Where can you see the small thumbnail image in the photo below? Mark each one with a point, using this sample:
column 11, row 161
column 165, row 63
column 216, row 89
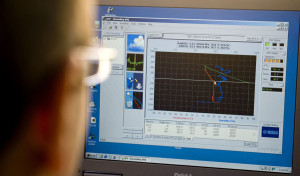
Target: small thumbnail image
column 129, row 81
column 135, row 43
column 138, row 81
column 128, row 100
column 134, row 100
column 134, row 81
column 135, row 62
column 137, row 100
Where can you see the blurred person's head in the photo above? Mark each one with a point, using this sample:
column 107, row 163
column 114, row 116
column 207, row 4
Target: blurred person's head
column 42, row 96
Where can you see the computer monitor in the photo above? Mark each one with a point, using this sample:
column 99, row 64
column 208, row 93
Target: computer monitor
column 195, row 91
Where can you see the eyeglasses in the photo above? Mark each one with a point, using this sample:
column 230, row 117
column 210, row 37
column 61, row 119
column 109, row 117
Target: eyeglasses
column 97, row 62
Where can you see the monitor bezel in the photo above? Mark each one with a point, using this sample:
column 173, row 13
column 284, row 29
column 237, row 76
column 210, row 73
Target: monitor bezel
column 135, row 168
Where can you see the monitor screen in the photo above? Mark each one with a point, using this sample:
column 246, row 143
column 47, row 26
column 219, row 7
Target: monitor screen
column 196, row 87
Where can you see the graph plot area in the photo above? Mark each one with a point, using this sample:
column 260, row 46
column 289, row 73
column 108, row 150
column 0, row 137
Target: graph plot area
column 205, row 83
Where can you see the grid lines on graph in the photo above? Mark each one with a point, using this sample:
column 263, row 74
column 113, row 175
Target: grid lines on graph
column 204, row 83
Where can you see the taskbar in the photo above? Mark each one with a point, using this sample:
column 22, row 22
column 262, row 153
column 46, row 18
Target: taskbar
column 264, row 168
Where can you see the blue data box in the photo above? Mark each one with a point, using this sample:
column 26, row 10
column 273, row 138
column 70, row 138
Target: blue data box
column 271, row 132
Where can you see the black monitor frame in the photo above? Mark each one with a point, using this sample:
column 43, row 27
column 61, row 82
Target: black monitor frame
column 145, row 169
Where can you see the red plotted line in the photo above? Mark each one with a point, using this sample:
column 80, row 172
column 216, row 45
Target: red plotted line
column 137, row 104
column 213, row 99
column 214, row 83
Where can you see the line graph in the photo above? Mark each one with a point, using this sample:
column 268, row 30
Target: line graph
column 135, row 62
column 138, row 100
column 206, row 83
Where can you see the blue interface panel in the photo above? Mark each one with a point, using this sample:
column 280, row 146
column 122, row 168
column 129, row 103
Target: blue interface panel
column 196, row 87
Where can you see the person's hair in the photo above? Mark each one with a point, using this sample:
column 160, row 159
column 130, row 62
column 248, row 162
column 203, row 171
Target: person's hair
column 34, row 37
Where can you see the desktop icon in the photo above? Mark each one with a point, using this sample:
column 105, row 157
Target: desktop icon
column 110, row 9
column 91, row 136
column 97, row 24
column 91, row 104
column 93, row 120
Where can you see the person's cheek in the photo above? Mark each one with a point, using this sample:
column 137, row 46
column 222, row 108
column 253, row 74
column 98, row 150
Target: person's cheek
column 73, row 118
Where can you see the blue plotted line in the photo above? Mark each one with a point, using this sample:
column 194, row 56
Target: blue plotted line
column 139, row 102
column 224, row 72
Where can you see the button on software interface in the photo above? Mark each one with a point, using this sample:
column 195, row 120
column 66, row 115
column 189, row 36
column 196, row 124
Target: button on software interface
column 200, row 90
